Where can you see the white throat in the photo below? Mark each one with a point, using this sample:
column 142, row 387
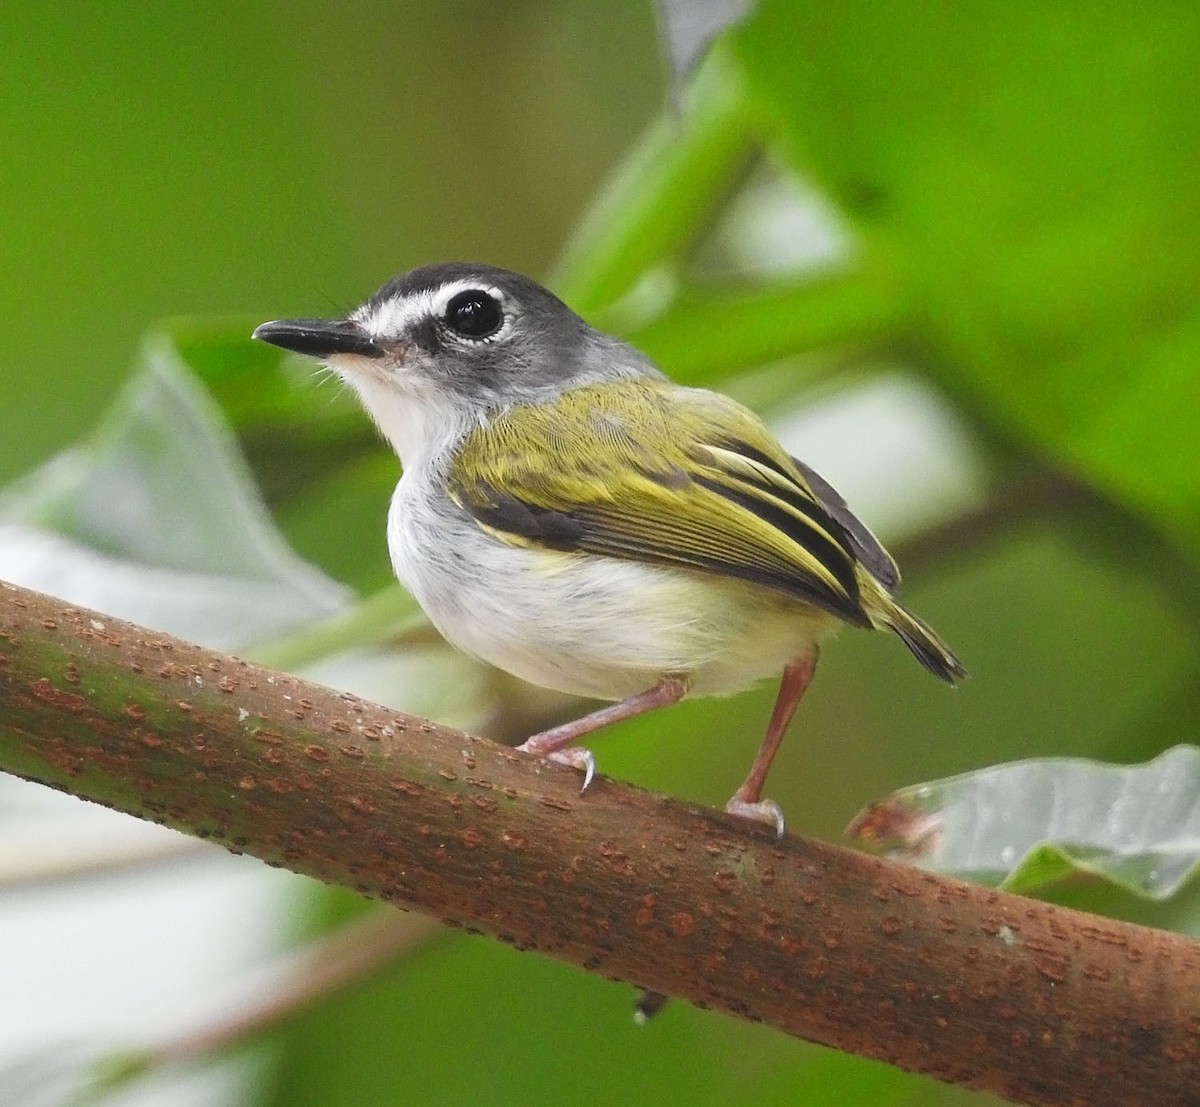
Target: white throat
column 417, row 422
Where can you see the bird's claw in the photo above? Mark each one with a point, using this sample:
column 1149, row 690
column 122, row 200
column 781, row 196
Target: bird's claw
column 576, row 757
column 762, row 811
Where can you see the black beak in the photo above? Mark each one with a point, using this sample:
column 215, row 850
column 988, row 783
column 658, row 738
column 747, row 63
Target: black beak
column 319, row 337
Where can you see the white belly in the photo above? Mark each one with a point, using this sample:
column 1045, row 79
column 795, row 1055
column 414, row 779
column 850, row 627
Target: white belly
column 585, row 625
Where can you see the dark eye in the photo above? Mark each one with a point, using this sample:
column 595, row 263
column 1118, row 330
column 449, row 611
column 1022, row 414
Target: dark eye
column 474, row 314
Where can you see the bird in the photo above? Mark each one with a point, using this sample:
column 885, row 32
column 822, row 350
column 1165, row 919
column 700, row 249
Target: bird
column 570, row 515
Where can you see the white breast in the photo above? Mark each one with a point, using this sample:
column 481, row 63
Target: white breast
column 582, row 624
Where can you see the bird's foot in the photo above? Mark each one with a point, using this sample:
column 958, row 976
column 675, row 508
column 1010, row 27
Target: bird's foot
column 575, row 757
column 761, row 811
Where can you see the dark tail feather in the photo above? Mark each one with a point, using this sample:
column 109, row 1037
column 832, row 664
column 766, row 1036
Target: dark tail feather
column 925, row 645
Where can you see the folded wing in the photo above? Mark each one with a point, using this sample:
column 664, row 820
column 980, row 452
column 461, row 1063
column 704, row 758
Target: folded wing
column 667, row 476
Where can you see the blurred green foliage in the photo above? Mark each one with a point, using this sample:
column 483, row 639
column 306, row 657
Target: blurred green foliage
column 1029, row 171
column 273, row 158
column 1020, row 182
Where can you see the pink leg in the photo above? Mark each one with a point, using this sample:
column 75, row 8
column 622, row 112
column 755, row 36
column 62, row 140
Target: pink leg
column 550, row 743
column 747, row 800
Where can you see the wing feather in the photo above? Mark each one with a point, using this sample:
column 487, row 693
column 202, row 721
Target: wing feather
column 877, row 561
column 663, row 475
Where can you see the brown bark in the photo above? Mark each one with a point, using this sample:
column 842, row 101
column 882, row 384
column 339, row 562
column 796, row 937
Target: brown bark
column 973, row 986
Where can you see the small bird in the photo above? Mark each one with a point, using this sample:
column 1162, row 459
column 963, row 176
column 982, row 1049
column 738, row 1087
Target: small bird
column 571, row 516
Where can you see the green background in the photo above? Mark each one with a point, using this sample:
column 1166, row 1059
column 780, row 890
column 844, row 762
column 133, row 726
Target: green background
column 273, row 159
column 1019, row 183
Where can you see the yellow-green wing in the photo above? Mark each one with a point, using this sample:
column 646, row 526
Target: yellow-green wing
column 651, row 472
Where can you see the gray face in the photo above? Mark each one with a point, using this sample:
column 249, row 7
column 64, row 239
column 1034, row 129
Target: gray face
column 435, row 351
column 487, row 336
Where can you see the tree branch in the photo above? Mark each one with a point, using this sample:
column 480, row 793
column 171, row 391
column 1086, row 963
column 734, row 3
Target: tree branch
column 973, row 986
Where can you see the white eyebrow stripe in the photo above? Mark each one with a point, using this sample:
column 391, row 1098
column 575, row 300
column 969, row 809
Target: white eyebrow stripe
column 397, row 314
column 447, row 292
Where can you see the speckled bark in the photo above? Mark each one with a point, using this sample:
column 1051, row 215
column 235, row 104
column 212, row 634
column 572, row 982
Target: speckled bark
column 988, row 990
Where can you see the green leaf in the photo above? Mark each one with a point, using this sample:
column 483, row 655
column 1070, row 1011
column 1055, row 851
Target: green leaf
column 294, row 430
column 703, row 334
column 657, row 202
column 1032, row 168
column 1023, row 825
column 156, row 519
